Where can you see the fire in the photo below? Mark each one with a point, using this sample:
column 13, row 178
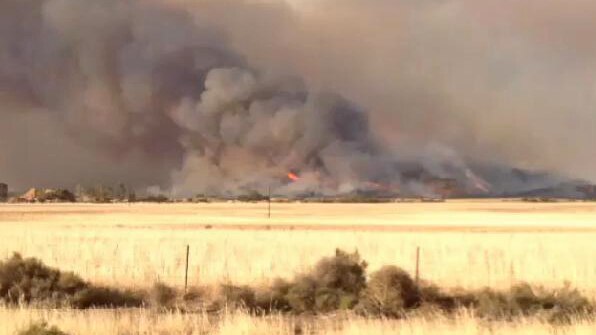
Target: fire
column 293, row 177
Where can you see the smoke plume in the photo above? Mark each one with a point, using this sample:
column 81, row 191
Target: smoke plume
column 230, row 96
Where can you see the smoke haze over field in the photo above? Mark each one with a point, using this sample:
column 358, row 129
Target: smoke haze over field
column 208, row 96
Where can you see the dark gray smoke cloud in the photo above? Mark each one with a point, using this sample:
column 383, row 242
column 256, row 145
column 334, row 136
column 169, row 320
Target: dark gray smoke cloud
column 145, row 84
column 86, row 86
column 504, row 81
column 194, row 97
column 247, row 131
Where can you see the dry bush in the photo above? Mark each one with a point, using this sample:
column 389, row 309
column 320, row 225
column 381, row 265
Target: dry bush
column 558, row 305
column 98, row 296
column 162, row 296
column 335, row 283
column 390, row 292
column 41, row 328
column 522, row 300
column 29, row 281
column 273, row 298
column 236, row 297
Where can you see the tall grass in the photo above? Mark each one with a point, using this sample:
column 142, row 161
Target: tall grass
column 470, row 245
column 121, row 245
column 149, row 322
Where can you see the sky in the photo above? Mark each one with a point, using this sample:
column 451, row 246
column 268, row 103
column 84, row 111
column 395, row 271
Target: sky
column 121, row 91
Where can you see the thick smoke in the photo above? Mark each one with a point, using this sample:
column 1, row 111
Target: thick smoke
column 247, row 132
column 126, row 78
column 509, row 82
column 92, row 82
column 194, row 97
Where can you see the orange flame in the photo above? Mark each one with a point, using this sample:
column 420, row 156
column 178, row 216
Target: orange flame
column 293, row 177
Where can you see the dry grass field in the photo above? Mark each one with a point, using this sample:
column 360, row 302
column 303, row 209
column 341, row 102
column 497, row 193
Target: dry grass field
column 467, row 244
column 104, row 322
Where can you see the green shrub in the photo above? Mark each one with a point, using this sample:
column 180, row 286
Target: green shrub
column 389, row 293
column 41, row 328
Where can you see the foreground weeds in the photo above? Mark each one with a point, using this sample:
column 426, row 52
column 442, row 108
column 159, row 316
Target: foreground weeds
column 41, row 328
column 336, row 284
column 152, row 322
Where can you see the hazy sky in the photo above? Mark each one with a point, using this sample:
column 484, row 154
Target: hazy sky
column 90, row 90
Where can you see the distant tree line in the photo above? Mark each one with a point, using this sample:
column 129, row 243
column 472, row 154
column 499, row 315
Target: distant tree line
column 105, row 194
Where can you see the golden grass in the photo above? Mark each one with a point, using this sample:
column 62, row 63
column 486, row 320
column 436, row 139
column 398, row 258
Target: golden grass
column 147, row 322
column 464, row 243
column 469, row 244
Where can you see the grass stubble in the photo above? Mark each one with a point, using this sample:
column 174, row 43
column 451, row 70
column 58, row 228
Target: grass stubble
column 136, row 246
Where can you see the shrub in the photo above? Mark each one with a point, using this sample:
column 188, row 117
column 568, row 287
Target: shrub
column 58, row 196
column 567, row 302
column 390, row 292
column 345, row 272
column 252, row 196
column 30, row 281
column 162, row 296
column 106, row 297
column 559, row 305
column 41, row 329
column 160, row 198
column 301, row 295
column 523, row 300
column 432, row 296
column 273, row 298
column 235, row 297
column 335, row 283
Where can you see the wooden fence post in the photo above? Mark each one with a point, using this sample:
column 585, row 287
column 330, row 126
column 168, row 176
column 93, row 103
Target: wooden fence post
column 269, row 202
column 417, row 265
column 186, row 270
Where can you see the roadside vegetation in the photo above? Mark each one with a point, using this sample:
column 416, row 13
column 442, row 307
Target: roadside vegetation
column 338, row 283
column 27, row 281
